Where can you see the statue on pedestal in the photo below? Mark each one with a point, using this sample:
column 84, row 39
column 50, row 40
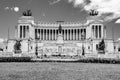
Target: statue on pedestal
column 27, row 13
column 60, row 36
column 93, row 12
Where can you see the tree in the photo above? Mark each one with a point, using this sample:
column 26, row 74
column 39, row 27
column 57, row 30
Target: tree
column 101, row 46
column 17, row 46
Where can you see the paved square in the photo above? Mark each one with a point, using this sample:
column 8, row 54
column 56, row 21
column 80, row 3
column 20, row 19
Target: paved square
column 59, row 71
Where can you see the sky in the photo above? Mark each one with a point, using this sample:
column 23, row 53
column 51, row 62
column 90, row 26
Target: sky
column 54, row 10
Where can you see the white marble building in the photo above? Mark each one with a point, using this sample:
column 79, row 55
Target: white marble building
column 75, row 39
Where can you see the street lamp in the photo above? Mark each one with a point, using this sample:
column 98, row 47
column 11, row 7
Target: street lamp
column 36, row 48
column 83, row 39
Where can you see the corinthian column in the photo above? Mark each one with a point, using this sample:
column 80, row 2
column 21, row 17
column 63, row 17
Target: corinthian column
column 70, row 34
column 67, row 35
column 76, row 34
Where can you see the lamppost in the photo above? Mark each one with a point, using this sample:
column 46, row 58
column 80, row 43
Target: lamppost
column 28, row 44
column 83, row 39
column 36, row 48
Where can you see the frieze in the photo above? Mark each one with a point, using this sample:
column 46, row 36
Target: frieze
column 52, row 50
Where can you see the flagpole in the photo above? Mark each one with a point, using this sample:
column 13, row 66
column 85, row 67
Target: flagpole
column 113, row 39
column 8, row 33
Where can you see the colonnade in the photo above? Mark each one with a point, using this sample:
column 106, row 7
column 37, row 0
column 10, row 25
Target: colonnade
column 97, row 31
column 68, row 34
column 24, row 31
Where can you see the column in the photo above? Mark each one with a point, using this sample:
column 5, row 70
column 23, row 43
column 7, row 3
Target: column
column 39, row 34
column 96, row 31
column 43, row 34
column 93, row 31
column 64, row 34
column 67, row 35
column 105, row 32
column 55, row 34
column 79, row 34
column 85, row 33
column 50, row 34
column 46, row 34
column 35, row 33
column 76, row 34
column 100, row 31
column 26, row 31
column 22, row 31
column 81, row 31
column 70, row 34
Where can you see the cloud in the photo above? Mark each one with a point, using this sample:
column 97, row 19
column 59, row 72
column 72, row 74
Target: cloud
column 103, row 6
column 77, row 3
column 54, row 2
column 118, row 21
column 1, row 40
column 15, row 9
